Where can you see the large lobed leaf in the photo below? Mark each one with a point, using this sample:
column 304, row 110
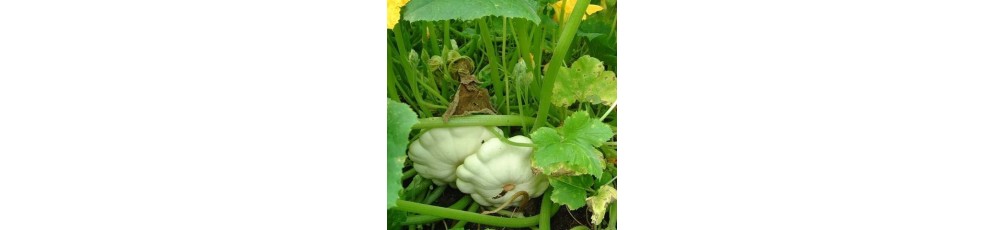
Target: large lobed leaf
column 570, row 190
column 571, row 148
column 585, row 81
column 400, row 119
column 438, row 10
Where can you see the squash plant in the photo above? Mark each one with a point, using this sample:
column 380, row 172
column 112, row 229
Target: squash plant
column 508, row 102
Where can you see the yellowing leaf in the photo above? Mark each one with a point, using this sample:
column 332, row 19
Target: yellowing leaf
column 585, row 81
column 598, row 203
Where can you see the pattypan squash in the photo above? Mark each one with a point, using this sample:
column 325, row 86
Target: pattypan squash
column 438, row 152
column 499, row 171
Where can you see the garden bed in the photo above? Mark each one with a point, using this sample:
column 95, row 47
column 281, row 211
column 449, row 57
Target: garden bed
column 502, row 114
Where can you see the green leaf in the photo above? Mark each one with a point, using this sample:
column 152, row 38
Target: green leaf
column 400, row 119
column 608, row 176
column 585, row 81
column 438, row 10
column 588, row 35
column 601, row 40
column 592, row 28
column 395, row 218
column 604, row 49
column 570, row 190
column 571, row 148
column 598, row 202
column 416, row 187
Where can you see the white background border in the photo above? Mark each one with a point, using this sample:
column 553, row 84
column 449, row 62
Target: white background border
column 733, row 115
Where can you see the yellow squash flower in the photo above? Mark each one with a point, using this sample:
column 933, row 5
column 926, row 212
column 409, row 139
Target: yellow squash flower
column 569, row 5
column 394, row 12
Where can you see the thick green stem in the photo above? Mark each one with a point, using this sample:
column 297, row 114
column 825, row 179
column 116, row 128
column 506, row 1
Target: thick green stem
column 431, row 105
column 490, row 51
column 557, row 60
column 447, row 46
column 407, row 100
column 538, row 56
column 458, row 33
column 554, row 209
column 431, row 79
column 520, row 104
column 460, row 224
column 561, row 19
column 505, row 68
column 471, row 44
column 409, row 71
column 522, row 39
column 435, row 92
column 544, row 221
column 392, row 79
column 519, row 96
column 425, row 209
column 435, row 195
column 525, row 44
column 402, row 91
column 446, row 37
column 417, row 188
column 433, row 37
column 474, row 120
column 422, row 219
column 392, row 92
column 408, row 174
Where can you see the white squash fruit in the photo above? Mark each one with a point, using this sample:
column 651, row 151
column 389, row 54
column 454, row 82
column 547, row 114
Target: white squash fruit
column 497, row 166
column 438, row 151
